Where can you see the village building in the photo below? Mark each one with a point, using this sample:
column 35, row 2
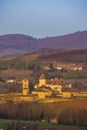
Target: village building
column 67, row 94
column 10, row 80
column 42, row 93
column 25, row 83
column 54, row 84
column 50, row 87
column 45, row 88
column 68, row 67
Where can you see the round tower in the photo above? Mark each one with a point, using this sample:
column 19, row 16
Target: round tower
column 25, row 86
column 42, row 80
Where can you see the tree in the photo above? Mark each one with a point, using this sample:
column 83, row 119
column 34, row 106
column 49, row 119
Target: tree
column 51, row 66
column 66, row 117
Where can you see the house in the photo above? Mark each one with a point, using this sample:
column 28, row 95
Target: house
column 11, row 80
column 66, row 94
column 71, row 67
column 75, row 68
column 42, row 93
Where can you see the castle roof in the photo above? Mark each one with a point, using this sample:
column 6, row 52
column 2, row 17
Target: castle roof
column 42, row 76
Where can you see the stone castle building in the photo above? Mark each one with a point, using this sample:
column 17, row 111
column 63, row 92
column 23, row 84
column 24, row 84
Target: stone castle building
column 42, row 80
column 54, row 84
column 45, row 88
column 25, row 86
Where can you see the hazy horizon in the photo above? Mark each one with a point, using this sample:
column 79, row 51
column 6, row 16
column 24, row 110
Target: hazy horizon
column 42, row 18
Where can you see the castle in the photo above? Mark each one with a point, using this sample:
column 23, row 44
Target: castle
column 54, row 84
column 45, row 88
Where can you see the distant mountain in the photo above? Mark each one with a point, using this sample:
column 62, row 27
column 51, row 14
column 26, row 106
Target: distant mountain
column 16, row 44
column 75, row 40
column 19, row 44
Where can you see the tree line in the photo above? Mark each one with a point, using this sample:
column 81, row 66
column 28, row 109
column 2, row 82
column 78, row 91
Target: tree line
column 69, row 112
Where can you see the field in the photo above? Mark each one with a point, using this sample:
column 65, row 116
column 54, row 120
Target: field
column 4, row 123
column 15, row 73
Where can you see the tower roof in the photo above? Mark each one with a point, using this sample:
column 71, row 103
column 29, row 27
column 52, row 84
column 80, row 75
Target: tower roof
column 42, row 76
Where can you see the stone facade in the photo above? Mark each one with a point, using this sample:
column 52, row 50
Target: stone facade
column 25, row 86
column 54, row 84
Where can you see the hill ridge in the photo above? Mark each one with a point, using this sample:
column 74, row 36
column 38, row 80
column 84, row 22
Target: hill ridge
column 28, row 44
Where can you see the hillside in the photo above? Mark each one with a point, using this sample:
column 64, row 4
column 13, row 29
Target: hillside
column 59, row 55
column 74, row 56
column 19, row 44
column 75, row 40
column 16, row 44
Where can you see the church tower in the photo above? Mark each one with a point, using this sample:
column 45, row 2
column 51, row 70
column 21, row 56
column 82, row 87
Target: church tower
column 42, row 80
column 25, row 85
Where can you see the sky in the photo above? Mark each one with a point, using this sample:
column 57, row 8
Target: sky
column 42, row 18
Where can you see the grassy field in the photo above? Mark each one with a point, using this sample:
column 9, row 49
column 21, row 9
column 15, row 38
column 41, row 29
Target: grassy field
column 75, row 75
column 4, row 123
column 15, row 73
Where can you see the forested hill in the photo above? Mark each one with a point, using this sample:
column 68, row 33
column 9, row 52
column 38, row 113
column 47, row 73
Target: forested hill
column 74, row 56
column 19, row 44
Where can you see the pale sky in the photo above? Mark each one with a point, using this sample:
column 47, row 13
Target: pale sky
column 42, row 18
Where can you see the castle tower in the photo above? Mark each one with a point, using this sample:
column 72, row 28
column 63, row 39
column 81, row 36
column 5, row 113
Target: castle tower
column 42, row 80
column 25, row 86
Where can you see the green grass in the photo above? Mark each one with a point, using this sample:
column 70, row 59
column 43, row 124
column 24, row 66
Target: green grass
column 75, row 75
column 51, row 125
column 37, row 63
column 4, row 123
